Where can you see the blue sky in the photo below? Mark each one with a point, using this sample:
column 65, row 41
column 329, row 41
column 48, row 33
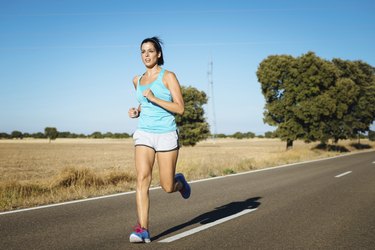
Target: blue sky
column 70, row 63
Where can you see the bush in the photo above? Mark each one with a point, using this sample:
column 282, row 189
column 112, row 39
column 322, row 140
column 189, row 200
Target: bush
column 239, row 135
column 17, row 135
column 5, row 136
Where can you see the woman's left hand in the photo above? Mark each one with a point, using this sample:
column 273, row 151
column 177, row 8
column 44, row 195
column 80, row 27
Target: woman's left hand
column 148, row 94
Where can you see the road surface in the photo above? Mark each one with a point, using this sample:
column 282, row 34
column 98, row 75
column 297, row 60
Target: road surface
column 325, row 204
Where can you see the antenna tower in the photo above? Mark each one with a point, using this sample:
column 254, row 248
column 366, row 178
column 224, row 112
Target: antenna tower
column 211, row 92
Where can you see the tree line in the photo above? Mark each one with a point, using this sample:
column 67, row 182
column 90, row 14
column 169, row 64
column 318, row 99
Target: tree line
column 52, row 133
column 314, row 99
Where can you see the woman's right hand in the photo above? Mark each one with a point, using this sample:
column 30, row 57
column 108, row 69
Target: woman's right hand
column 133, row 113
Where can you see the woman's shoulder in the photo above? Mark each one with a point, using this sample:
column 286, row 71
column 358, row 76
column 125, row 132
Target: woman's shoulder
column 170, row 79
column 169, row 75
column 135, row 80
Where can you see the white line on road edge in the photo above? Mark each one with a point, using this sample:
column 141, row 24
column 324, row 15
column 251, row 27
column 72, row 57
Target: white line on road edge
column 64, row 203
column 205, row 226
column 341, row 175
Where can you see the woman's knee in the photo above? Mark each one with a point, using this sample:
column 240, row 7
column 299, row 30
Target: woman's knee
column 168, row 188
column 143, row 179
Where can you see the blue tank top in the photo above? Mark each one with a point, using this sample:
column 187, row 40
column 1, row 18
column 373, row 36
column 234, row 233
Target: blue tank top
column 153, row 118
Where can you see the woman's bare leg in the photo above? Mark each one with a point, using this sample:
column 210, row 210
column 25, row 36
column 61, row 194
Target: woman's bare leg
column 144, row 161
column 167, row 168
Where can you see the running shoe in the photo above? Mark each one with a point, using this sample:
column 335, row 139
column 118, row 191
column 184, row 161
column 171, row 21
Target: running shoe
column 140, row 235
column 185, row 191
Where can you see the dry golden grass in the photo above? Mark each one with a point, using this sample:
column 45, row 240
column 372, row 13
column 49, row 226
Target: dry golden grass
column 35, row 172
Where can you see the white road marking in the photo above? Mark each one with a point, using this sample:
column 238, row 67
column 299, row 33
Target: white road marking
column 65, row 203
column 205, row 226
column 341, row 175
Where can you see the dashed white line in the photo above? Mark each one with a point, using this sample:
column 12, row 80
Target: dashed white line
column 205, row 226
column 341, row 175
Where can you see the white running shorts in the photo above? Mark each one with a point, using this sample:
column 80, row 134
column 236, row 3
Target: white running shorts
column 164, row 142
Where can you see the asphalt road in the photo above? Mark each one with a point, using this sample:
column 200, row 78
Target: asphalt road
column 328, row 204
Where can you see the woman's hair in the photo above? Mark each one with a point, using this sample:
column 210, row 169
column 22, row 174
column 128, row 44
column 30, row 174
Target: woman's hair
column 157, row 44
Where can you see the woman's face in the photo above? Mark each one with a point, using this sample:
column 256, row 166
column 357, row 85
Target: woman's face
column 149, row 54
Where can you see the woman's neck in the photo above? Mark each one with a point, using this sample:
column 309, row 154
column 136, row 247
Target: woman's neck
column 153, row 70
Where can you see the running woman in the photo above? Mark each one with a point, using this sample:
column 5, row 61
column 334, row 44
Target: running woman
column 159, row 95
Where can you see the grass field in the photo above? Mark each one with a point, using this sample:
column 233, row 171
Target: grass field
column 35, row 172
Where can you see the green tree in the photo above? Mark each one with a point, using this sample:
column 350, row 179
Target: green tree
column 38, row 135
column 5, row 136
column 240, row 135
column 17, row 134
column 360, row 112
column 269, row 134
column 120, row 135
column 125, row 135
column 65, row 134
column 314, row 106
column 81, row 136
column 97, row 135
column 51, row 133
column 277, row 75
column 108, row 135
column 314, row 99
column 26, row 135
column 221, row 135
column 192, row 124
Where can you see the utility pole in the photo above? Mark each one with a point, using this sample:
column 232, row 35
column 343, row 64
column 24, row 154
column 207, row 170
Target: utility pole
column 211, row 94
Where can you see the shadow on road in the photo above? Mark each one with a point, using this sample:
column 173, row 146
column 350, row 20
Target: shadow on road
column 214, row 215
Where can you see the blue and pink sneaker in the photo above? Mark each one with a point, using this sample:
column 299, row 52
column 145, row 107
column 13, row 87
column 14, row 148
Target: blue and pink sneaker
column 186, row 190
column 140, row 235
